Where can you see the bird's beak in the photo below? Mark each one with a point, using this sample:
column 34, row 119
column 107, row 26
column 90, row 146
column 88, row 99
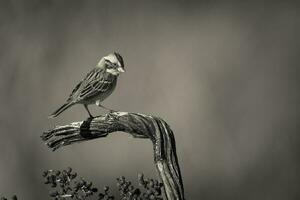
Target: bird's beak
column 120, row 69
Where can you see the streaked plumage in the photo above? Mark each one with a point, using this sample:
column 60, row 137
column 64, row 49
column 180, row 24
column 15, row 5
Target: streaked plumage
column 98, row 84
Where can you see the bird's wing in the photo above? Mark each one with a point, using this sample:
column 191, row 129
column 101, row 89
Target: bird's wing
column 95, row 83
column 74, row 92
column 71, row 96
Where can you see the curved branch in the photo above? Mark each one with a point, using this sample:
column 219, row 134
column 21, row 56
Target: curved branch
column 139, row 126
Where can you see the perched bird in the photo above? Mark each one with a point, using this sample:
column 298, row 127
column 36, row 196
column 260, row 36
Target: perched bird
column 98, row 84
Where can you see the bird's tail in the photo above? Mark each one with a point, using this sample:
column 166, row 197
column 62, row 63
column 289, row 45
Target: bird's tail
column 61, row 109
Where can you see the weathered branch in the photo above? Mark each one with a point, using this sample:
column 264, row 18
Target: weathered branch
column 139, row 126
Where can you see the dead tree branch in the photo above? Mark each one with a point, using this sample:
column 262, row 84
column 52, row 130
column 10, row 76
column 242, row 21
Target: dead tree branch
column 139, row 126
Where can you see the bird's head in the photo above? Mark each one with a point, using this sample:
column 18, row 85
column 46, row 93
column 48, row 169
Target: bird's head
column 112, row 63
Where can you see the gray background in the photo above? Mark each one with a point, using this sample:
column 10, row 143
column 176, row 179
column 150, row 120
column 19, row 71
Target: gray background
column 225, row 76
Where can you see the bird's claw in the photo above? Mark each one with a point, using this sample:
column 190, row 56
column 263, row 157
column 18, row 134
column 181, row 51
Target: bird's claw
column 112, row 111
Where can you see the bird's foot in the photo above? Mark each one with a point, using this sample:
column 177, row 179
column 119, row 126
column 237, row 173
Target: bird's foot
column 105, row 108
column 112, row 111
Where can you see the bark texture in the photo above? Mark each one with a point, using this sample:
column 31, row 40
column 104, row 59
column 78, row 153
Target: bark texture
column 139, row 126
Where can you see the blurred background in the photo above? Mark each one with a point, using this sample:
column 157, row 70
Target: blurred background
column 225, row 76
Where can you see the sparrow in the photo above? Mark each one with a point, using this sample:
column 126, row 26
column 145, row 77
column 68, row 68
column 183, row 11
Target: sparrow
column 97, row 85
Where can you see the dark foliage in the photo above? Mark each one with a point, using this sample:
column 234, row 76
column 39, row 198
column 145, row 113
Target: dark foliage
column 66, row 184
column 12, row 198
column 152, row 189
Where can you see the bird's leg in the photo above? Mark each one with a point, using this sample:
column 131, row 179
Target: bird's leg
column 87, row 109
column 110, row 110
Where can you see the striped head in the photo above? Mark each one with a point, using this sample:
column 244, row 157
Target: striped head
column 113, row 63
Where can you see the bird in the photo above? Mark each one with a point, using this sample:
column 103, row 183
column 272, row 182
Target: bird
column 97, row 85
